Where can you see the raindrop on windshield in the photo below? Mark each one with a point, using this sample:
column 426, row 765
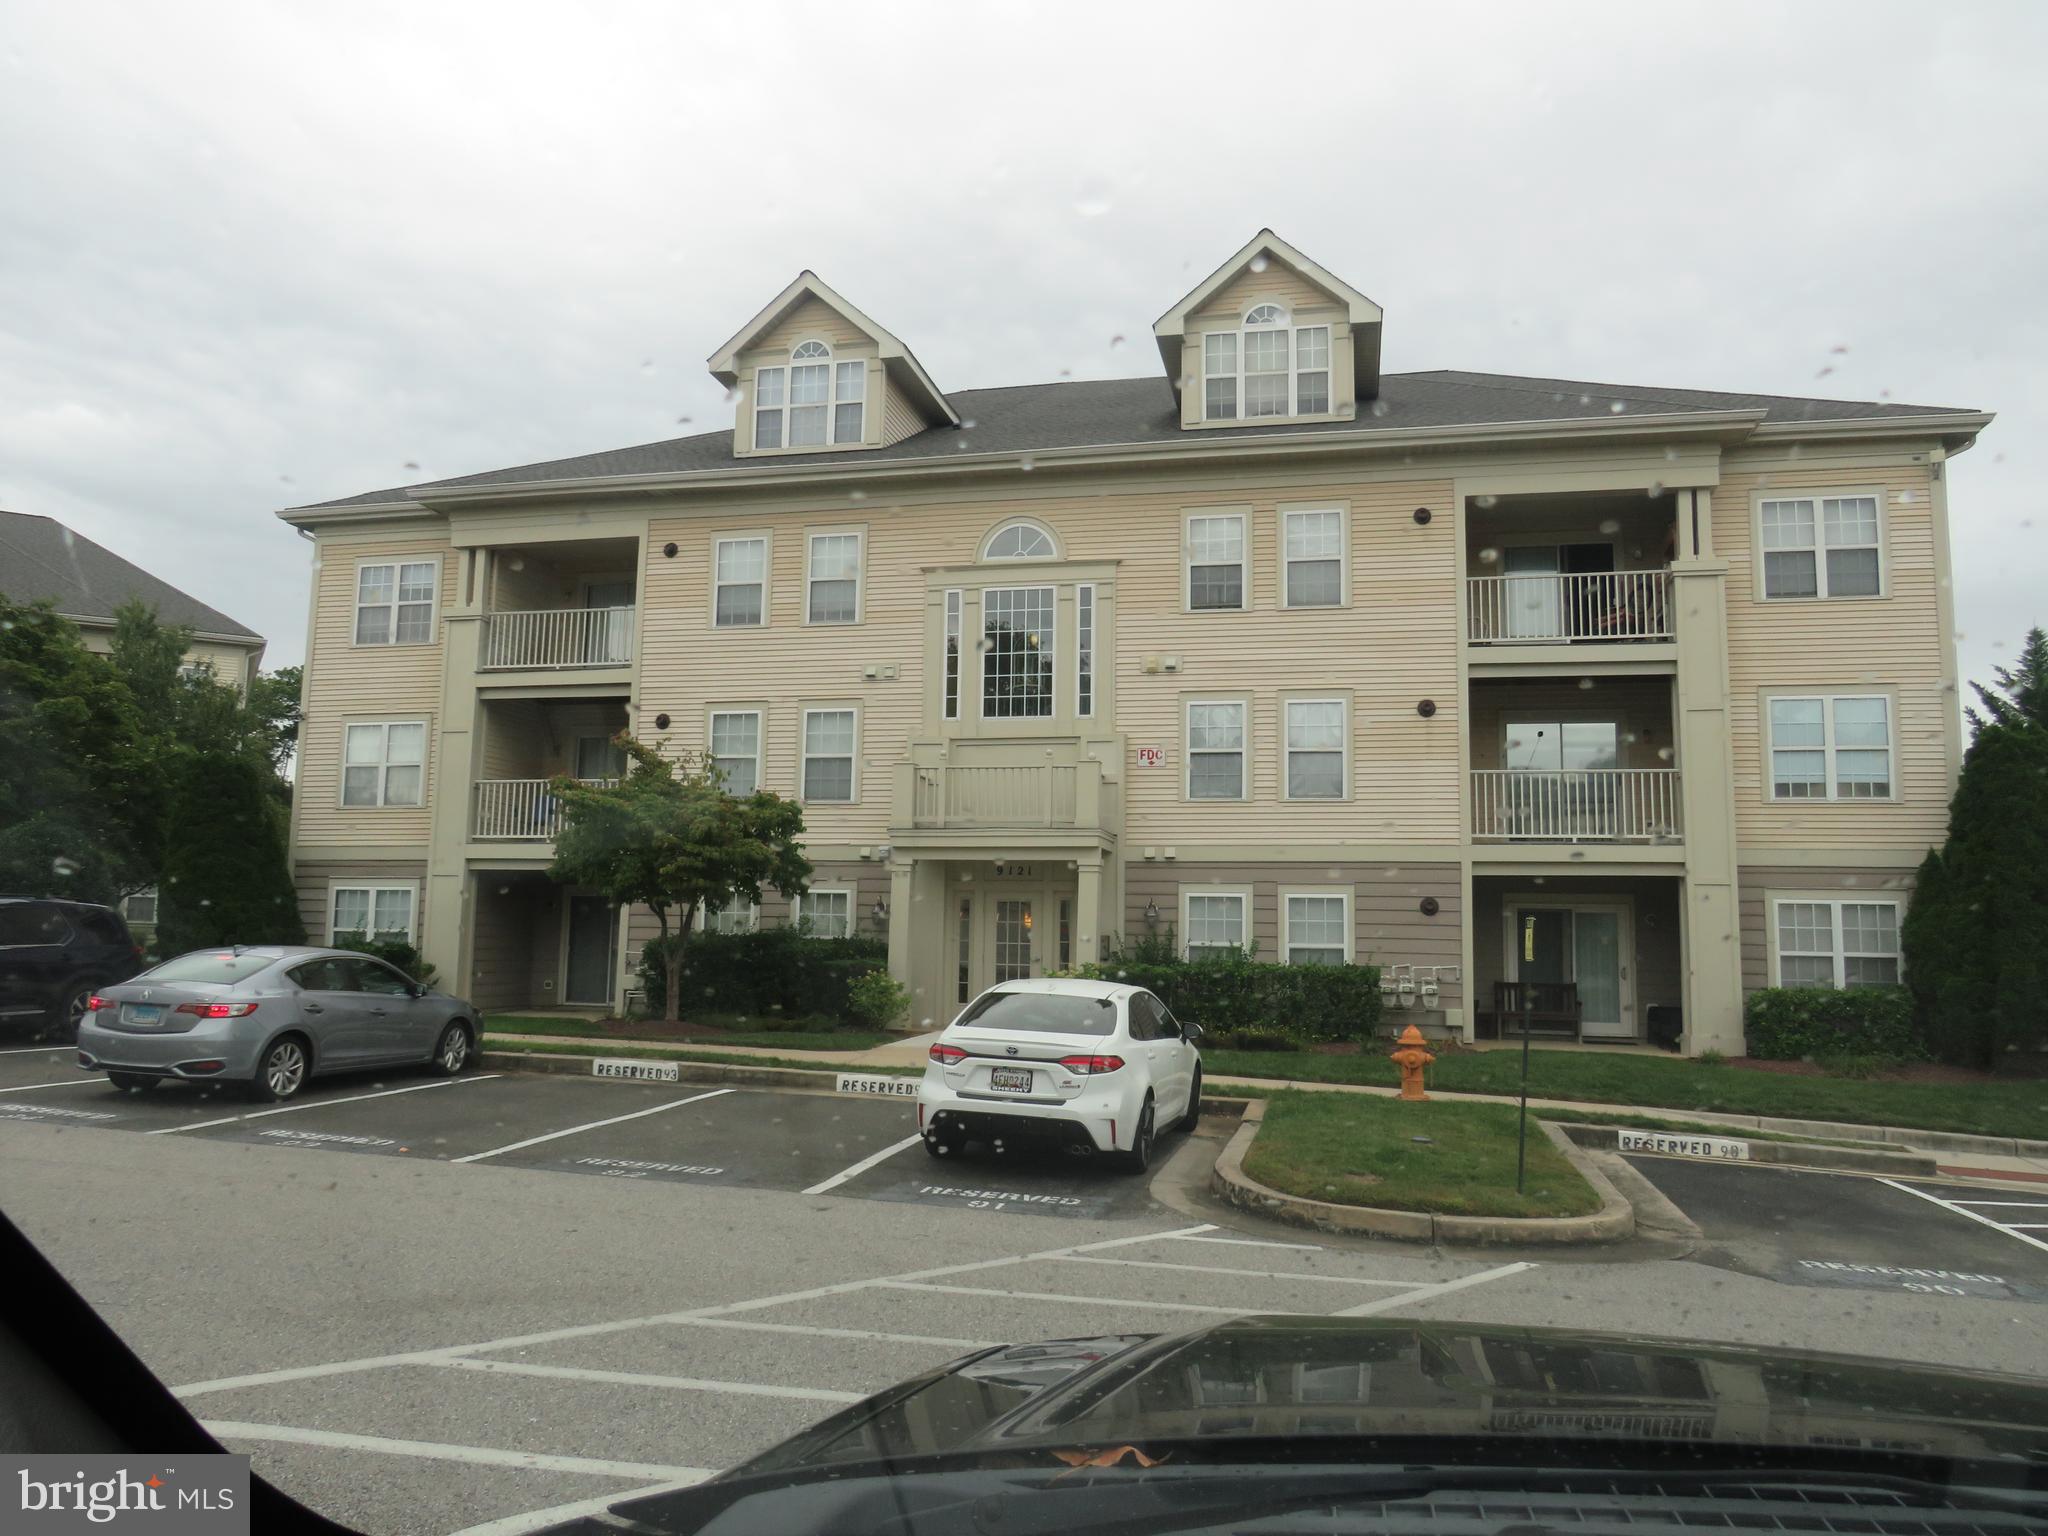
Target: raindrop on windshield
column 1259, row 263
column 63, row 867
column 1610, row 525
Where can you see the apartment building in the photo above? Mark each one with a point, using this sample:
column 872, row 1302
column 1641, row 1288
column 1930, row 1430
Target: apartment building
column 1599, row 703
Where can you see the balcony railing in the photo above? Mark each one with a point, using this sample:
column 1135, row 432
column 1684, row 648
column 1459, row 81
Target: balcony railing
column 1612, row 805
column 519, row 810
column 1022, row 796
column 1583, row 608
column 549, row 638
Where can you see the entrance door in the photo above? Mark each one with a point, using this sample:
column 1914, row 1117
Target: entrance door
column 593, row 935
column 1016, row 939
column 1586, row 944
column 1534, row 612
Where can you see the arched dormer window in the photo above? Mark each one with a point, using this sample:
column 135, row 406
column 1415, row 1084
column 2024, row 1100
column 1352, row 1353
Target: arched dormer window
column 1023, row 540
column 811, row 403
column 1267, row 367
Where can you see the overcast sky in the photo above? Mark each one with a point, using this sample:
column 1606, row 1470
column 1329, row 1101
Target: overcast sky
column 260, row 254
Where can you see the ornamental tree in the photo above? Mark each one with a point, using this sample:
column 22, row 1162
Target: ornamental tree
column 672, row 838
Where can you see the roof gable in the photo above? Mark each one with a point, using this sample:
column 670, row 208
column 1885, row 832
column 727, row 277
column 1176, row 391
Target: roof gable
column 41, row 558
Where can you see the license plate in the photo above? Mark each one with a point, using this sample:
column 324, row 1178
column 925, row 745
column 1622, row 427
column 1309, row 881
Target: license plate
column 144, row 1013
column 1010, row 1079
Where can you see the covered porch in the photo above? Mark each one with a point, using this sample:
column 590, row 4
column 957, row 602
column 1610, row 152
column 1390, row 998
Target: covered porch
column 1579, row 959
column 535, row 944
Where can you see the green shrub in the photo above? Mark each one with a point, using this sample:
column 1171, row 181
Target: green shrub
column 392, row 952
column 1251, row 1040
column 1235, row 992
column 877, row 999
column 1805, row 1023
column 781, row 971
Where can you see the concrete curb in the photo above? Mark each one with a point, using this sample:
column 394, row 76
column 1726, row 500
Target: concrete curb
column 1614, row 1221
column 686, row 1071
column 1783, row 1154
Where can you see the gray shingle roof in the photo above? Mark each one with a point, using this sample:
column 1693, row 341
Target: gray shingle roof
column 41, row 558
column 1099, row 413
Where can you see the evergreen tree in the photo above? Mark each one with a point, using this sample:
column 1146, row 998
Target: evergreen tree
column 227, row 877
column 2021, row 696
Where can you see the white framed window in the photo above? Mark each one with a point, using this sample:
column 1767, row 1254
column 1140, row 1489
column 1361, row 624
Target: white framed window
column 1214, row 922
column 1215, row 559
column 1267, row 367
column 1021, row 540
column 1315, row 927
column 395, row 602
column 735, row 736
column 951, row 702
column 833, row 582
column 1821, row 546
column 1084, row 649
column 729, row 917
column 739, row 581
column 811, row 401
column 1829, row 943
column 828, row 909
column 140, row 907
column 1216, row 734
column 1312, row 557
column 1316, row 748
column 384, row 762
column 1830, row 747
column 384, row 914
column 829, row 744
column 1017, row 653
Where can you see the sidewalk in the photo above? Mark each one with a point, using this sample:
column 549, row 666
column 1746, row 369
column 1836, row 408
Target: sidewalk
column 1983, row 1157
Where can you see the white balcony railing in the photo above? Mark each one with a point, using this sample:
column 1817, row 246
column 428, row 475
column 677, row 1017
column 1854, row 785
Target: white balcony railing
column 519, row 810
column 1614, row 805
column 1584, row 608
column 1001, row 795
column 547, row 638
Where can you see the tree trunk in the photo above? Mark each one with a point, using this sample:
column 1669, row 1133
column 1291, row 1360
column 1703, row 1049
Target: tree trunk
column 672, row 953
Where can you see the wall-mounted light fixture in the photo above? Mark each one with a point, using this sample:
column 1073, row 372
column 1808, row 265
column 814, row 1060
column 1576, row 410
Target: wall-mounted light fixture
column 1151, row 914
column 881, row 912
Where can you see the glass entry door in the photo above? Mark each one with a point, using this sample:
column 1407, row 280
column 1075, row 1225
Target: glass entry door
column 1588, row 945
column 1014, row 940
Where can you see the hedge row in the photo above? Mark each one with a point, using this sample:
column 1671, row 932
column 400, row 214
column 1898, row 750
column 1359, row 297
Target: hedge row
column 1302, row 1002
column 769, row 971
column 1797, row 1023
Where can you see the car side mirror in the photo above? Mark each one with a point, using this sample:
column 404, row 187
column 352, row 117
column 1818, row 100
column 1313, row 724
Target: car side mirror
column 415, row 989
column 1191, row 1032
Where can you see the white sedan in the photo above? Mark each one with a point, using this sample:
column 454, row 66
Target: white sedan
column 1092, row 1065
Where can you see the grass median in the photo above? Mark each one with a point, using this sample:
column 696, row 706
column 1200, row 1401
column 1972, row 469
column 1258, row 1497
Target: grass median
column 2018, row 1108
column 1360, row 1149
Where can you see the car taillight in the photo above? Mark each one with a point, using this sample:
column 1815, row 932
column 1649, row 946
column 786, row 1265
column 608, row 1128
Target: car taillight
column 947, row 1055
column 95, row 1003
column 217, row 1010
column 1092, row 1066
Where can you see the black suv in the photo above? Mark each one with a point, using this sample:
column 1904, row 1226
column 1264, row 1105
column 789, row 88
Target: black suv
column 53, row 956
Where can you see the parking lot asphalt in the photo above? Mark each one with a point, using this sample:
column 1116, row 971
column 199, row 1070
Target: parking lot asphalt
column 432, row 1305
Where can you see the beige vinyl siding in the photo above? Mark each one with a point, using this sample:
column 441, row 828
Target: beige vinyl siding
column 812, row 318
column 543, row 963
column 1840, row 645
column 504, row 943
column 346, row 682
column 230, row 662
column 1640, row 705
column 314, row 877
column 1393, row 645
column 1388, row 927
column 1279, row 284
column 1755, row 886
column 869, row 881
column 900, row 418
column 1657, row 968
column 509, row 728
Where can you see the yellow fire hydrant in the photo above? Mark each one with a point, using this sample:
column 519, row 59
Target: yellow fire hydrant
column 1411, row 1058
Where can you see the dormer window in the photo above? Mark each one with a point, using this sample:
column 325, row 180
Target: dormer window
column 1268, row 367
column 811, row 403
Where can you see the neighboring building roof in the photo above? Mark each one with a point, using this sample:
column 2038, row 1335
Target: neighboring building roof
column 1102, row 413
column 41, row 558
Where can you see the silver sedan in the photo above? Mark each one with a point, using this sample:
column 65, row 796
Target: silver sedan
column 270, row 1016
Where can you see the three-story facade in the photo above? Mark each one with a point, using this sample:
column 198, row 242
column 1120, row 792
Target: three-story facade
column 1597, row 704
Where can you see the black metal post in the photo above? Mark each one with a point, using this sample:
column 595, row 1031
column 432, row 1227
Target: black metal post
column 1522, row 1127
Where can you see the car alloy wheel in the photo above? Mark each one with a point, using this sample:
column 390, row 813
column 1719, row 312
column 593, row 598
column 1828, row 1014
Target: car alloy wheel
column 76, row 1010
column 1139, row 1157
column 454, row 1052
column 284, row 1069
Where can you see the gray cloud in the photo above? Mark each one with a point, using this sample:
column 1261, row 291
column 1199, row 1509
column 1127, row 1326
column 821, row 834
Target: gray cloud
column 259, row 254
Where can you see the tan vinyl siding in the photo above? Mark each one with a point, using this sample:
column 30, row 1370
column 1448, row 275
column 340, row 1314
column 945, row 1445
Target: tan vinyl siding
column 1641, row 706
column 505, row 943
column 900, row 418
column 346, row 682
column 510, row 728
column 1386, row 913
column 868, row 880
column 314, row 877
column 1755, row 888
column 1840, row 645
column 812, row 318
column 230, row 662
column 1279, row 284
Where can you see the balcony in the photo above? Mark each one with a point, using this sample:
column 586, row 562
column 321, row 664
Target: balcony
column 556, row 639
column 1007, row 789
column 1586, row 805
column 518, row 810
column 1597, row 607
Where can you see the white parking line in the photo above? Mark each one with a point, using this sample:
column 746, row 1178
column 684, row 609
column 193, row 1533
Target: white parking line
column 1216, row 1269
column 62, row 1082
column 354, row 1098
column 478, row 1455
column 811, row 1330
column 1081, row 1301
column 37, row 1050
column 1243, row 1242
column 531, row 1520
column 2017, row 1205
column 1431, row 1292
column 577, row 1130
column 643, row 1379
column 862, row 1166
column 1950, row 1205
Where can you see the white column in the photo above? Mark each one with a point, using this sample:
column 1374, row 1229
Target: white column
column 1088, row 911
